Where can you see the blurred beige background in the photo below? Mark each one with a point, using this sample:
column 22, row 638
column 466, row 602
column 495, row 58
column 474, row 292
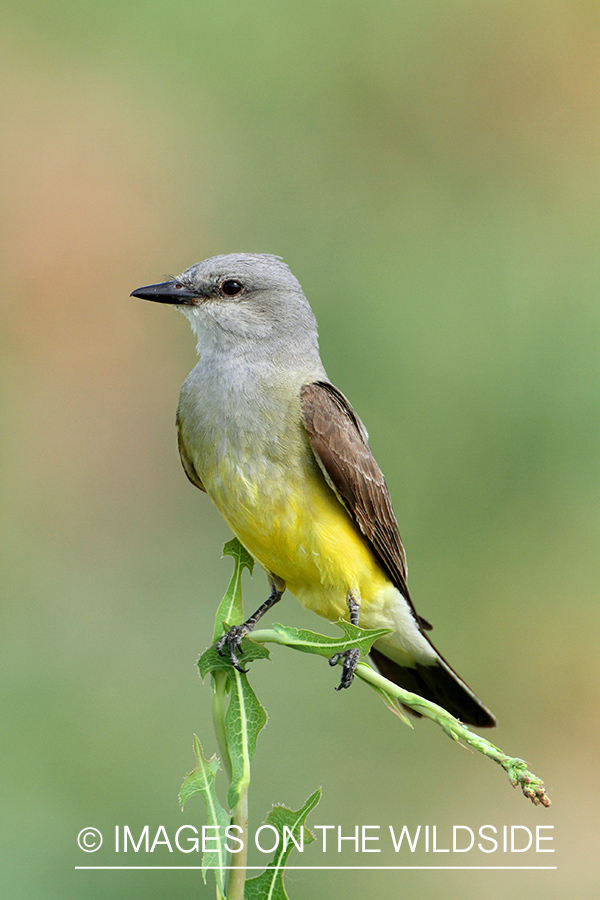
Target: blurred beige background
column 430, row 172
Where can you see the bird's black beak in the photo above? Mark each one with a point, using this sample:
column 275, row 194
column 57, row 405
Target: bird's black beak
column 167, row 292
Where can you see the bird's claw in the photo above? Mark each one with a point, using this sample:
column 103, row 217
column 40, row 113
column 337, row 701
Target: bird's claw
column 233, row 639
column 350, row 658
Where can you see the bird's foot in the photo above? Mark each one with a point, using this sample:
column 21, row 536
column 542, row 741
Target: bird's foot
column 233, row 640
column 350, row 658
column 236, row 634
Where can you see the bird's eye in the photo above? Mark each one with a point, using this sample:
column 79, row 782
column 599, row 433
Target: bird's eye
column 231, row 287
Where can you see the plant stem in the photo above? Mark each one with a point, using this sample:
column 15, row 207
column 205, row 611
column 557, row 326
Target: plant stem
column 218, row 717
column 237, row 877
column 515, row 768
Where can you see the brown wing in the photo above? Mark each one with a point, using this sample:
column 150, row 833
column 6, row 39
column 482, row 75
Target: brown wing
column 340, row 444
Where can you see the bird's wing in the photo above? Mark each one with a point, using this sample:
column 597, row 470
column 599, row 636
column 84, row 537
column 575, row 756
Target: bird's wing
column 340, row 444
column 186, row 462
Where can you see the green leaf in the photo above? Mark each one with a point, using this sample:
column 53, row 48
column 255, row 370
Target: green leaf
column 231, row 609
column 202, row 781
column 311, row 642
column 269, row 884
column 244, row 719
column 211, row 659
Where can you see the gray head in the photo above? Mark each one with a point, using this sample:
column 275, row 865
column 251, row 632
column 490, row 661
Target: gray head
column 242, row 303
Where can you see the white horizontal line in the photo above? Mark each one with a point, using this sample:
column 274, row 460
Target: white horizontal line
column 317, row 868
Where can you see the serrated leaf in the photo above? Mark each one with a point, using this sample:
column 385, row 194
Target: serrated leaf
column 201, row 780
column 269, row 884
column 211, row 659
column 231, row 609
column 311, row 642
column 244, row 719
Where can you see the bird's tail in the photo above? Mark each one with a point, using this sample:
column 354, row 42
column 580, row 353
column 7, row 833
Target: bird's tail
column 440, row 684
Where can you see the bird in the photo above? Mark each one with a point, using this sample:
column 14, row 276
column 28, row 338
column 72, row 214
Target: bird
column 286, row 461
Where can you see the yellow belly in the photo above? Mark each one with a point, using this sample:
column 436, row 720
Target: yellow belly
column 296, row 528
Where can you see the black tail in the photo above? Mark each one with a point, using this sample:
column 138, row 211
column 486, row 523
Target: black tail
column 440, row 684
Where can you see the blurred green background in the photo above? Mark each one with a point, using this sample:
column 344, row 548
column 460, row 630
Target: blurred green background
column 431, row 173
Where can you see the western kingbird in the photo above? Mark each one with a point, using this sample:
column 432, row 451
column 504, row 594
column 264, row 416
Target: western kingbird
column 286, row 461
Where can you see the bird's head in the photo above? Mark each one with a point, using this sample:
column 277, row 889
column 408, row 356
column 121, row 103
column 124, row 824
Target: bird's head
column 241, row 299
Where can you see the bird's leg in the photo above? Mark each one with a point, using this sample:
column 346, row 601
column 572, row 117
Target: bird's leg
column 350, row 656
column 233, row 638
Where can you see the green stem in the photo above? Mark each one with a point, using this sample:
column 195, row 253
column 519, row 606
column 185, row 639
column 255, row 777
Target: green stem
column 516, row 769
column 237, row 877
column 219, row 708
column 268, row 636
